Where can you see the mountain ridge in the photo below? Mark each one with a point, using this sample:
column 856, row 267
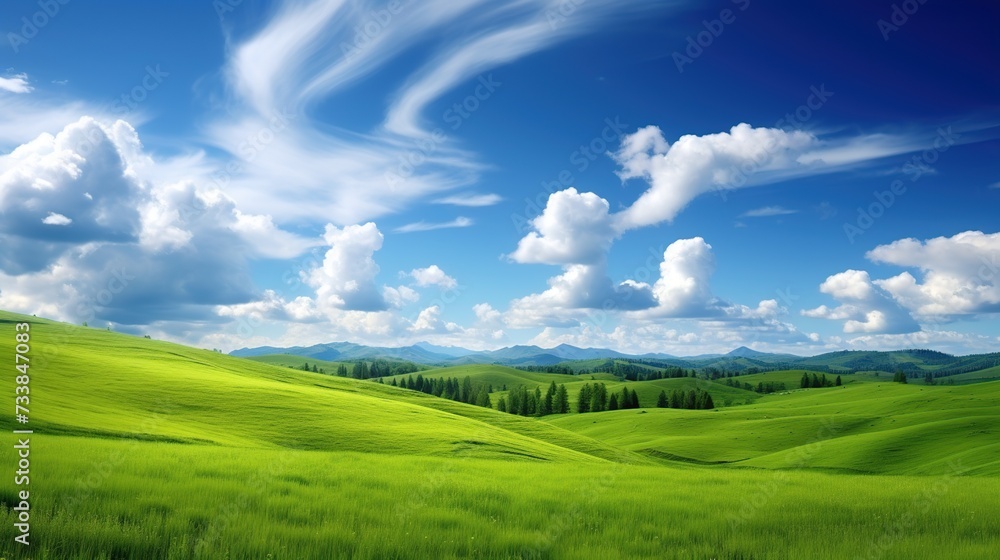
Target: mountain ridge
column 912, row 361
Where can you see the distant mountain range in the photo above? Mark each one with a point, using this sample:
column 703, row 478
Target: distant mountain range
column 742, row 358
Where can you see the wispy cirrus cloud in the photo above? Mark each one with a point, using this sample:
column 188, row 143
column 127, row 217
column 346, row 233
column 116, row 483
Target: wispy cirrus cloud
column 311, row 52
column 470, row 199
column 768, row 211
column 459, row 222
column 18, row 83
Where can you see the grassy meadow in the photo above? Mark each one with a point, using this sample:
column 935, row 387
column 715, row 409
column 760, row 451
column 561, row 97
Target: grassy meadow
column 145, row 449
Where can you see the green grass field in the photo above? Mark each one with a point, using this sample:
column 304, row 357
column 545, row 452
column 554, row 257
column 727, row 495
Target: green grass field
column 145, row 449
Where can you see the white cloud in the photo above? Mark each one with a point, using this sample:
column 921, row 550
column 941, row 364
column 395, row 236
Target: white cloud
column 54, row 219
column 695, row 165
column 429, row 321
column 129, row 250
column 459, row 222
column 961, row 274
column 865, row 307
column 573, row 228
column 268, row 240
column 433, row 276
column 470, row 199
column 768, row 211
column 683, row 287
column 951, row 342
column 578, row 228
column 310, row 52
column 486, row 314
column 400, row 296
column 17, row 83
column 576, row 294
column 346, row 279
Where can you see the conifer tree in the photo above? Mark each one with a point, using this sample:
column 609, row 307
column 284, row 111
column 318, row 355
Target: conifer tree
column 583, row 405
column 599, row 398
column 550, row 396
column 613, row 402
column 661, row 400
column 690, row 400
column 708, row 403
column 467, row 394
column 676, row 401
column 562, row 400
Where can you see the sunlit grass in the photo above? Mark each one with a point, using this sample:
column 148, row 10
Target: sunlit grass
column 150, row 450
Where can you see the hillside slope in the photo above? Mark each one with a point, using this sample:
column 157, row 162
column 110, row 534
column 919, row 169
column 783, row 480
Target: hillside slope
column 89, row 382
column 867, row 427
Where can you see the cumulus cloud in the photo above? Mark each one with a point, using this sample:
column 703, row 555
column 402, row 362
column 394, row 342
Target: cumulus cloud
column 433, row 276
column 574, row 228
column 682, row 290
column 959, row 278
column 50, row 175
column 92, row 234
column 865, row 307
column 960, row 274
column 577, row 228
column 695, row 165
column 683, row 287
column 429, row 321
column 17, row 83
column 400, row 296
column 486, row 314
column 346, row 279
column 572, row 294
column 54, row 219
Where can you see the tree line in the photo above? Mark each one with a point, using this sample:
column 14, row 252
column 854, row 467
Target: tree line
column 762, row 387
column 595, row 398
column 448, row 388
column 641, row 371
column 362, row 370
column 523, row 402
column 378, row 368
column 680, row 398
column 815, row 381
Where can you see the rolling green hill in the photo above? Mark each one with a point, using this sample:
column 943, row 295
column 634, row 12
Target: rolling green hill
column 146, row 449
column 103, row 384
column 864, row 427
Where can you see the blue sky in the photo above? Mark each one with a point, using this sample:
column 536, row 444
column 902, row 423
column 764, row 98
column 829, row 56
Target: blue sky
column 680, row 177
